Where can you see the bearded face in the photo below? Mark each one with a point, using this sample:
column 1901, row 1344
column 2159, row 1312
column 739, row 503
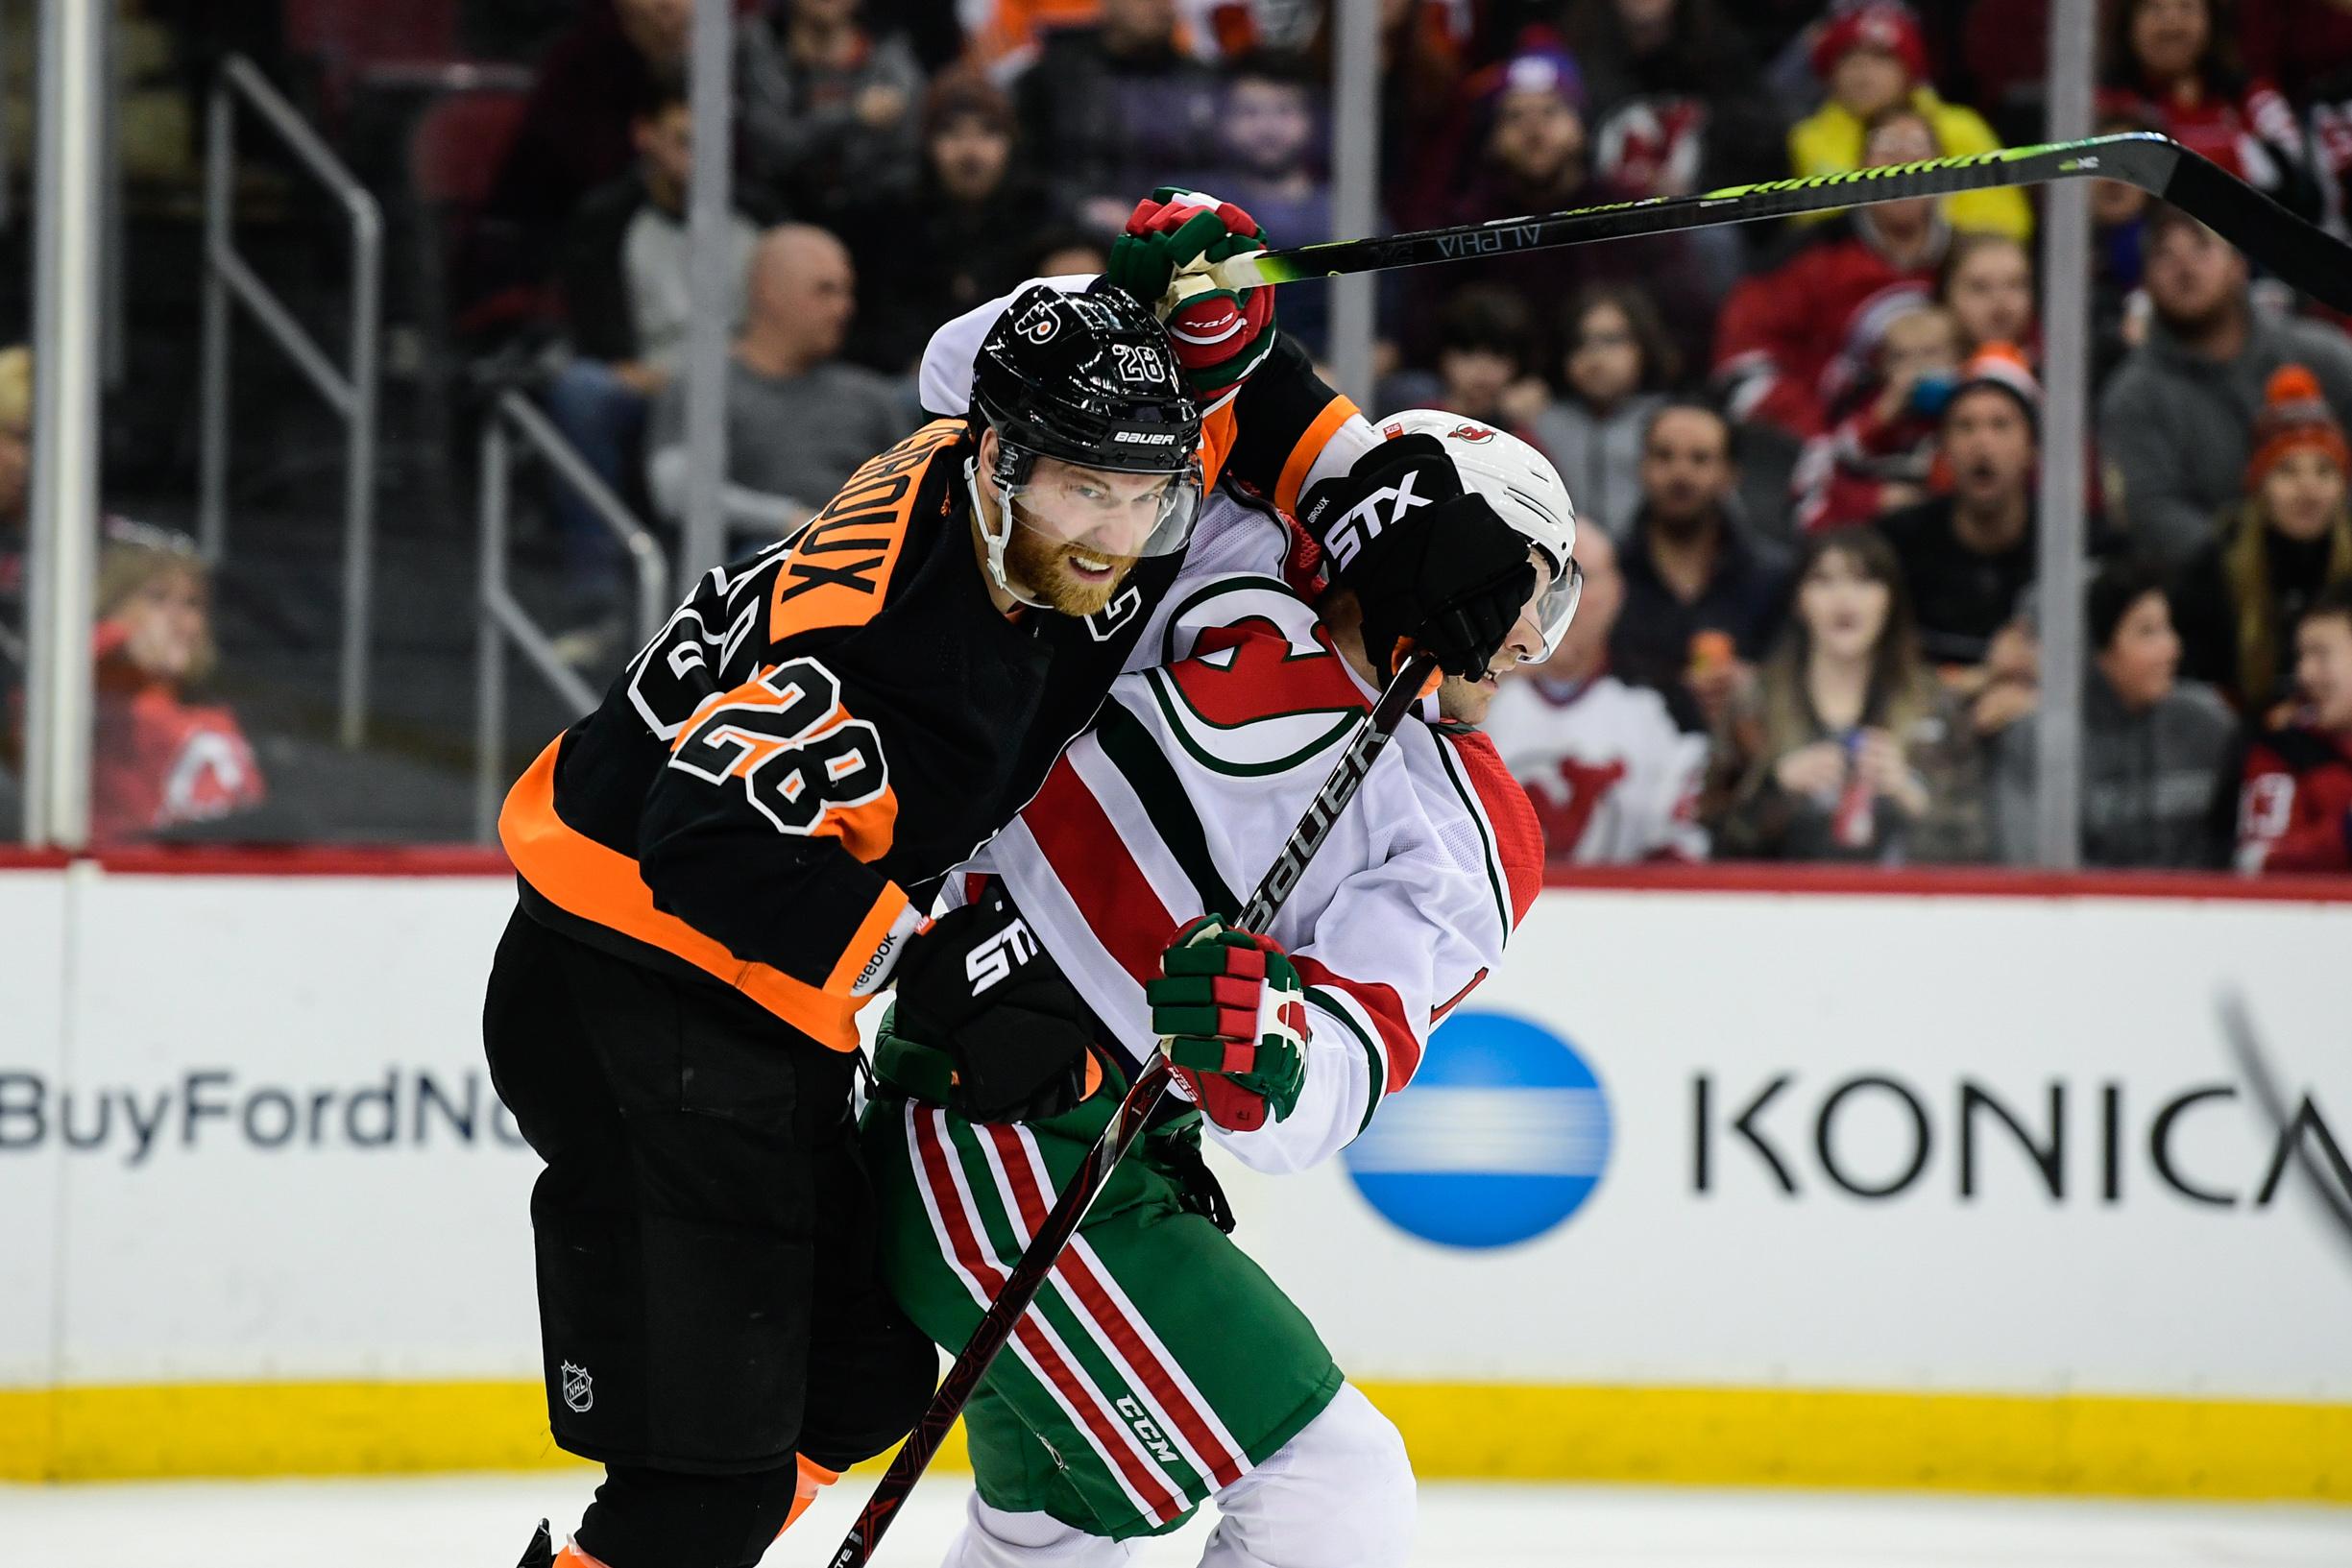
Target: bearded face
column 1071, row 578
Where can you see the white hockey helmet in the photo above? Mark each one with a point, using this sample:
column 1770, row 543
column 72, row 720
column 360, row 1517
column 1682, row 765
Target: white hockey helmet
column 1524, row 488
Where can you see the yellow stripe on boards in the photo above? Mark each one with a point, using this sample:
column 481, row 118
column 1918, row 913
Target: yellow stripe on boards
column 2098, row 1444
column 2087, row 1443
column 284, row 1428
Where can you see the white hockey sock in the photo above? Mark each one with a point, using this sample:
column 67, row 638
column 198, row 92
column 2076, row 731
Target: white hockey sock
column 993, row 1538
column 1339, row 1495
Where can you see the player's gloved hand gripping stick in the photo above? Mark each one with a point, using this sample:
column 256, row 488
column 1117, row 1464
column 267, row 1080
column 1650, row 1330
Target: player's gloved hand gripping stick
column 1143, row 1098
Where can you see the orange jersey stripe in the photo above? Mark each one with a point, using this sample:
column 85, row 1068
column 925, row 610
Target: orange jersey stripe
column 1219, row 431
column 842, row 563
column 584, row 877
column 1336, row 413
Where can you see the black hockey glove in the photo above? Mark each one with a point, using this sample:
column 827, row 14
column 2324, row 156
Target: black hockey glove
column 1429, row 561
column 978, row 988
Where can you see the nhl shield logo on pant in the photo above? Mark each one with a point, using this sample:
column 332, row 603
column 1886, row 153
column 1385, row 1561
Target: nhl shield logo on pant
column 579, row 1390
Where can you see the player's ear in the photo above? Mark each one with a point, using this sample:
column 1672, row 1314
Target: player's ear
column 988, row 449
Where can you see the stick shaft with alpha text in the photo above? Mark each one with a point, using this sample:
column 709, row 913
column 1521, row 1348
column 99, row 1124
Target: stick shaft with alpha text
column 2298, row 252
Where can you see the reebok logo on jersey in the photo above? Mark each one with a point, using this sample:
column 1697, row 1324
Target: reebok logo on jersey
column 998, row 957
column 1364, row 522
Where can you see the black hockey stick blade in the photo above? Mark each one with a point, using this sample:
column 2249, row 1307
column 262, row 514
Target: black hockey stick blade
column 2331, row 1180
column 2304, row 255
column 1143, row 1098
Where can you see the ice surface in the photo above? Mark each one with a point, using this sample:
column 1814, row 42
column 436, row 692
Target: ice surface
column 484, row 1521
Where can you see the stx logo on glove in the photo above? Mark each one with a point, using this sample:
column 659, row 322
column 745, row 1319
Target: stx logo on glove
column 1363, row 520
column 998, row 957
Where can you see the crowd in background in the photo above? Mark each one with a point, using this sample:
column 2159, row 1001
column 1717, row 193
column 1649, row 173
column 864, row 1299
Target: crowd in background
column 1803, row 455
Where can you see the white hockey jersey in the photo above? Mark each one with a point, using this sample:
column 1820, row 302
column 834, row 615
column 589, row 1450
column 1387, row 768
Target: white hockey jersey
column 1613, row 779
column 1175, row 800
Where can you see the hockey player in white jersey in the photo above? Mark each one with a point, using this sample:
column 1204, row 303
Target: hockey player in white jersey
column 1160, row 1367
column 1614, row 780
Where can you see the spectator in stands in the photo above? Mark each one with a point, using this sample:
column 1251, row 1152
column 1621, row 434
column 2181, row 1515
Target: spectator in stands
column 2118, row 253
column 1966, row 555
column 15, row 493
column 826, row 106
column 2175, row 420
column 1424, row 56
column 1675, row 109
column 2168, row 61
column 1987, row 283
column 2294, row 809
column 2300, row 44
column 1878, row 458
column 2275, row 552
column 1672, row 95
column 1533, row 156
column 2004, row 57
column 1004, row 35
column 579, row 128
column 628, row 301
column 2157, row 778
column 1844, row 747
column 1872, row 59
column 1702, row 595
column 1614, row 368
column 1113, row 110
column 1482, row 363
column 1613, row 779
column 799, row 421
column 957, row 233
column 1065, row 250
column 161, row 760
column 1792, row 341
column 1268, row 166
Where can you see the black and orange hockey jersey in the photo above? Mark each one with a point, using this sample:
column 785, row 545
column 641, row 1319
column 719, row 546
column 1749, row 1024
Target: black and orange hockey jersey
column 822, row 731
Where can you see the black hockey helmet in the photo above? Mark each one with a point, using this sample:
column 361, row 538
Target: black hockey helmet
column 1090, row 378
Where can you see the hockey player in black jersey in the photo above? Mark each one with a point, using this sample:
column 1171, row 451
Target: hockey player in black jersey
column 719, row 865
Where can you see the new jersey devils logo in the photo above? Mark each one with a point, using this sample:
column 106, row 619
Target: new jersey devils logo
column 1470, row 433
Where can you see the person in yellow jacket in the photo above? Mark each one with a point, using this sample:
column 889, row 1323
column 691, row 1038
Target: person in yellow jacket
column 1871, row 59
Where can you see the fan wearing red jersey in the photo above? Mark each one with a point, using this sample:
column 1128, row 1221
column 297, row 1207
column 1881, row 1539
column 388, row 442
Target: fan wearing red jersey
column 1160, row 1366
column 2294, row 812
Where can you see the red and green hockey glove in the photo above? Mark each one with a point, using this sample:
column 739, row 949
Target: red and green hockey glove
column 1233, row 1010
column 1221, row 336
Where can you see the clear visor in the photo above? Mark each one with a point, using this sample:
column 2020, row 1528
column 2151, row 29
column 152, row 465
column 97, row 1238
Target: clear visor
column 1552, row 607
column 1109, row 515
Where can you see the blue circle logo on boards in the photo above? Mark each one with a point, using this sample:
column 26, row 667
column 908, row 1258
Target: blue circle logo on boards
column 1503, row 1134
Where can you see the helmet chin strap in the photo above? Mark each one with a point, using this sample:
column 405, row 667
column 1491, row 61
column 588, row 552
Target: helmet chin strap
column 996, row 539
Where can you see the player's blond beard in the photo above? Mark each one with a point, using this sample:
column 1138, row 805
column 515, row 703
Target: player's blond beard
column 1036, row 563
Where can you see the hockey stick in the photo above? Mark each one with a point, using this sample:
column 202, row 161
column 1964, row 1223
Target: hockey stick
column 2306, row 256
column 1143, row 1098
column 2334, row 1189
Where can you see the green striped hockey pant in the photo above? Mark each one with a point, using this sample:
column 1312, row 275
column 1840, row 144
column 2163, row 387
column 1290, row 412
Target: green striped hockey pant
column 1158, row 1364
